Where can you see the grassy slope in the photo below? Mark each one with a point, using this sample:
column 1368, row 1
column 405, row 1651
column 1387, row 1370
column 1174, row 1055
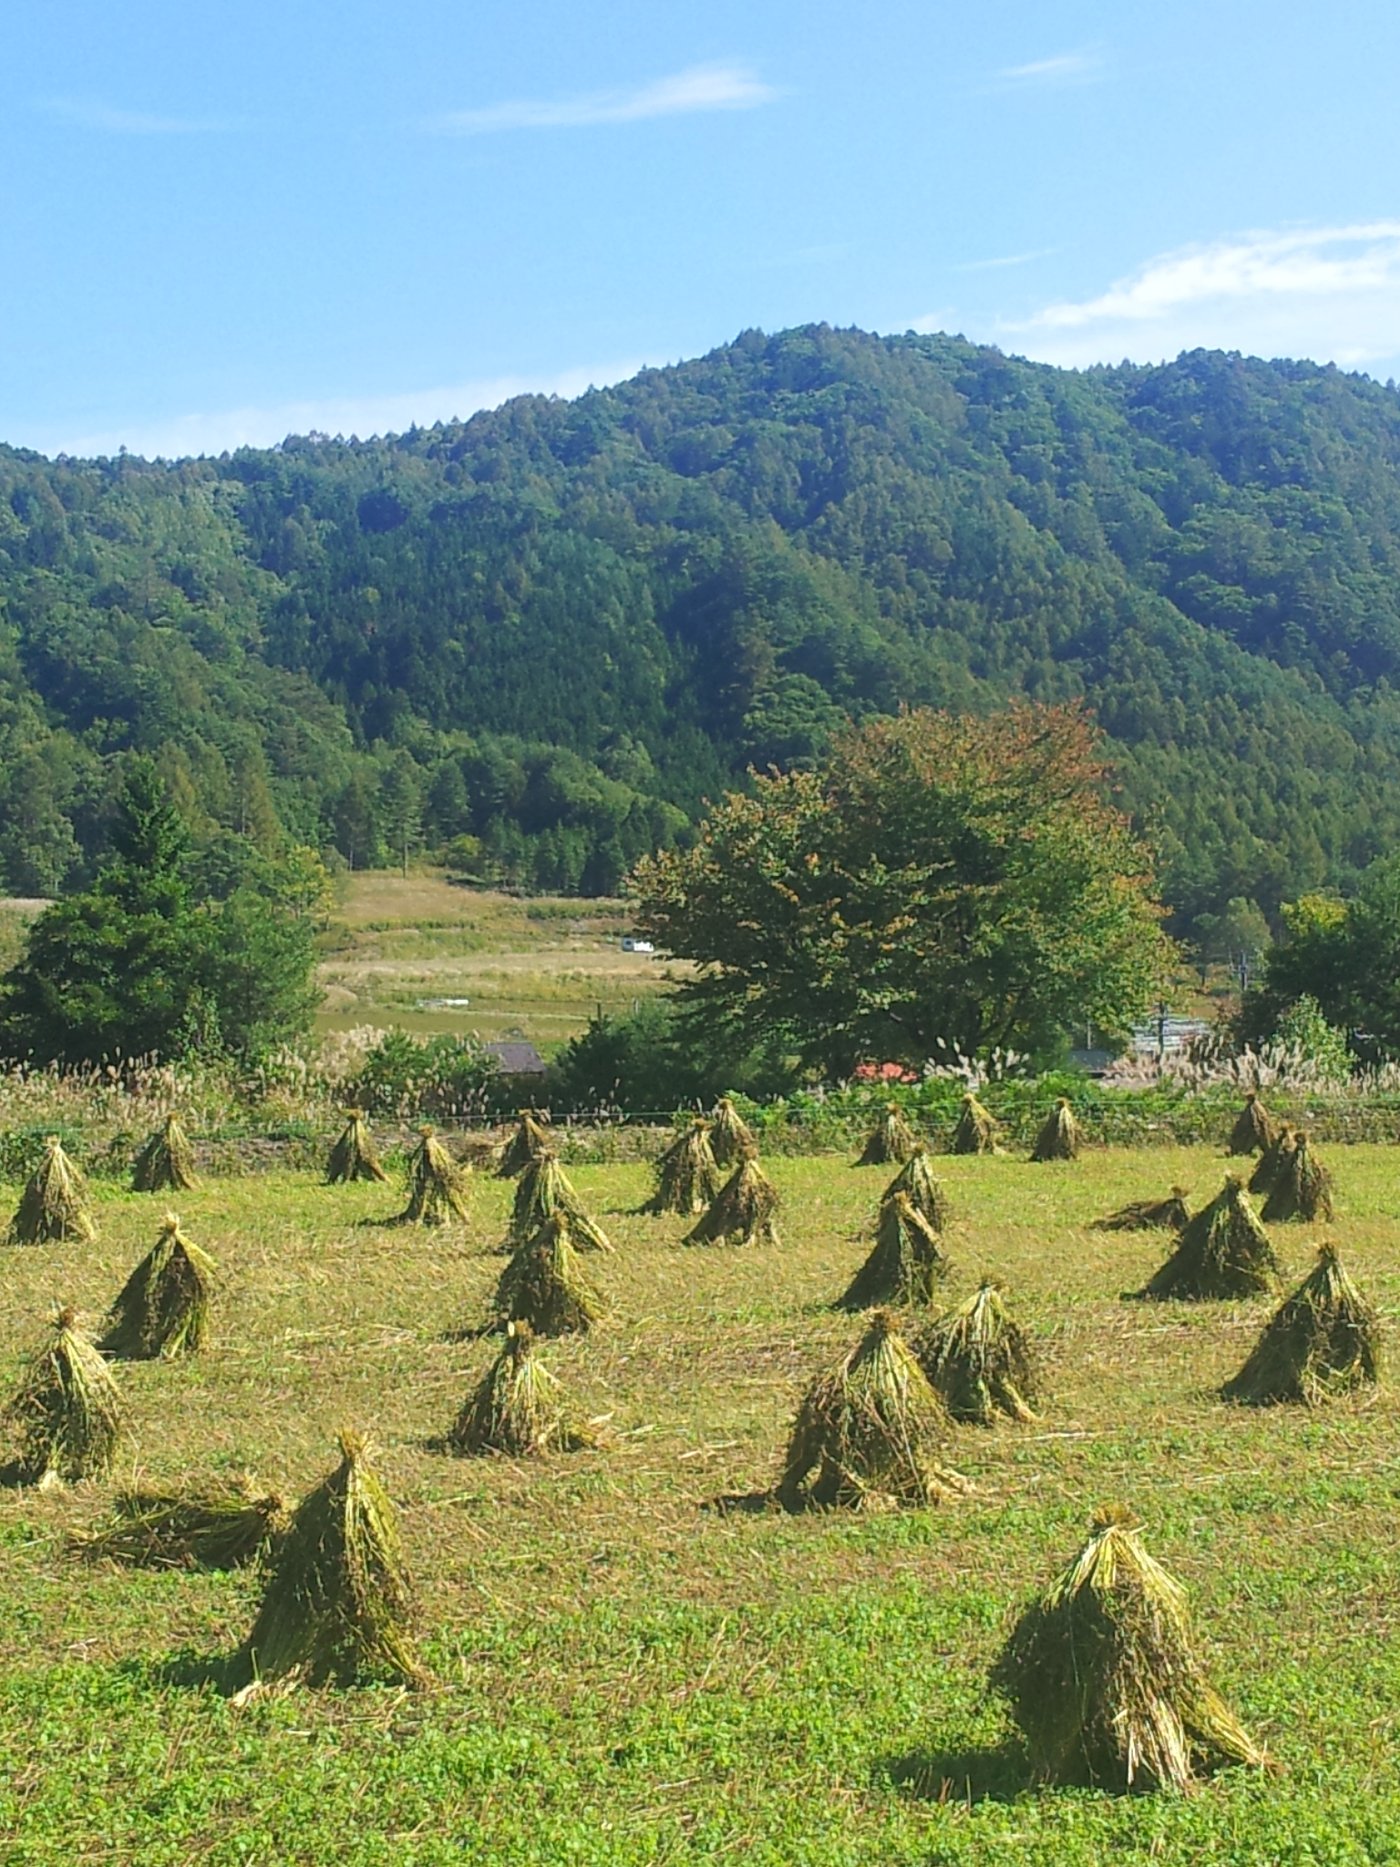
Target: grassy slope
column 631, row 1678
column 535, row 968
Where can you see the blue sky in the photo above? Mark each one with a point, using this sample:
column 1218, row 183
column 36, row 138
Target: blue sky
column 226, row 223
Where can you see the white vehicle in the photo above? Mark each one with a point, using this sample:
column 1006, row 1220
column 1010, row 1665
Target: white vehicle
column 629, row 945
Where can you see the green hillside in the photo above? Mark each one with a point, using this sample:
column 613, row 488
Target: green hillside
column 554, row 629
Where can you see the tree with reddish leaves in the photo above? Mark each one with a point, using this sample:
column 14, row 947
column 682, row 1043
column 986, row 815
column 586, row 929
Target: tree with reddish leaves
column 940, row 883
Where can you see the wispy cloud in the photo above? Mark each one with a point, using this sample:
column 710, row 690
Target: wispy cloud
column 1087, row 65
column 1005, row 260
column 1329, row 293
column 214, row 431
column 95, row 116
column 698, row 87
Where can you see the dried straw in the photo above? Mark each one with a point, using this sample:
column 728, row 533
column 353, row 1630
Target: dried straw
column 163, row 1308
column 687, row 1174
column 891, row 1139
column 1254, row 1127
column 731, row 1139
column 904, row 1266
column 1223, row 1252
column 66, row 1415
column 166, row 1161
column 869, row 1434
column 354, row 1156
column 526, row 1144
column 519, row 1406
column 1322, row 1341
column 544, row 1284
column 53, row 1205
column 742, row 1212
column 923, row 1189
column 1149, row 1215
column 1301, row 1189
column 207, row 1523
column 1061, row 1136
column 978, row 1131
column 1101, row 1676
column 980, row 1362
column 338, row 1605
column 437, row 1186
column 544, row 1189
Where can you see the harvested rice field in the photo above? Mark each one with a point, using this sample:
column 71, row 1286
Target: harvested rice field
column 636, row 1657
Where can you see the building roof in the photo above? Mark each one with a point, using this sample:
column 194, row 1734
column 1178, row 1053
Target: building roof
column 517, row 1058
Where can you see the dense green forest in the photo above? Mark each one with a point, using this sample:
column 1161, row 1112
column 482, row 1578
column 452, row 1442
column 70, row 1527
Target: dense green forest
column 541, row 637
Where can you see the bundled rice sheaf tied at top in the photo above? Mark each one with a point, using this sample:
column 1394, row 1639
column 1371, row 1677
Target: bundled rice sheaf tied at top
column 978, row 1131
column 66, row 1415
column 166, row 1161
column 163, row 1308
column 1321, row 1342
column 1301, row 1188
column 731, row 1138
column 687, row 1174
column 354, row 1156
column 1272, row 1161
column 437, row 1186
column 870, row 1434
column 905, row 1265
column 742, row 1212
column 544, row 1284
column 1061, row 1136
column 53, row 1205
column 544, row 1189
column 1101, row 1676
column 338, row 1604
column 1223, row 1252
column 922, row 1187
column 207, row 1523
column 527, row 1142
column 891, row 1139
column 1254, row 1127
column 1149, row 1215
column 519, row 1406
column 979, row 1362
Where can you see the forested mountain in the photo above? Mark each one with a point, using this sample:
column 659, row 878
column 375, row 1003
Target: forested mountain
column 556, row 627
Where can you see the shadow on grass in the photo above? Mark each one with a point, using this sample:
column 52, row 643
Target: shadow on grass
column 224, row 1673
column 745, row 1504
column 994, row 1773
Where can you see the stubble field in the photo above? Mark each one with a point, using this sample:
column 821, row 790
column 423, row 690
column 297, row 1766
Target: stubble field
column 627, row 1673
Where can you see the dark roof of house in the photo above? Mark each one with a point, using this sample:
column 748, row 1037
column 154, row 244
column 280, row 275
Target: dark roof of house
column 517, row 1059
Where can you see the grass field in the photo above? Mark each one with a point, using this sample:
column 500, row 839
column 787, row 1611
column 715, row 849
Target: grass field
column 537, row 968
column 628, row 1675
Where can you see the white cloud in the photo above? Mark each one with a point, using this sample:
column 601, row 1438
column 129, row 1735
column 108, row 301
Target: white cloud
column 1328, row 293
column 1007, row 259
column 1086, row 66
column 699, row 87
column 95, row 116
column 211, row 432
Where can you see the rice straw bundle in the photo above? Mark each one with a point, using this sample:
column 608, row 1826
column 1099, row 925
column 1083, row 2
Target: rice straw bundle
column 1301, row 1189
column 526, row 1144
column 518, row 1408
column 1223, row 1252
column 354, row 1156
column 1149, row 1215
column 209, row 1523
column 742, row 1212
column 1101, row 1676
column 163, row 1308
column 891, row 1139
column 979, row 1361
column 1254, row 1127
column 1322, row 1341
column 544, row 1189
column 924, row 1190
column 978, row 1131
column 1061, row 1136
column 437, row 1186
column 1273, row 1160
column 53, row 1205
column 166, row 1161
column 687, row 1174
column 544, row 1285
column 869, row 1434
column 905, row 1264
column 66, row 1414
column 338, row 1605
column 731, row 1138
